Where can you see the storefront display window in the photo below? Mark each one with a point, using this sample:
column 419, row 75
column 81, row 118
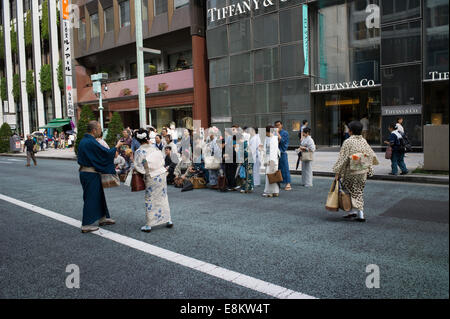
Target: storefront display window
column 163, row 117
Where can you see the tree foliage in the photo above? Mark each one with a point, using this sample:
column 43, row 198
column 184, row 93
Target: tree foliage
column 28, row 31
column 45, row 78
column 115, row 129
column 86, row 116
column 30, row 83
column 13, row 39
column 16, row 87
column 3, row 91
column 59, row 70
column 2, row 45
column 5, row 134
column 44, row 22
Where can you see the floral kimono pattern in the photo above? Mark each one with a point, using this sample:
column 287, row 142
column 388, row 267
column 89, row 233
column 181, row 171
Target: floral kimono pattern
column 247, row 183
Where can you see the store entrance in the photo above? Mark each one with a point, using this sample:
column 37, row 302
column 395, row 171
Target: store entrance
column 334, row 110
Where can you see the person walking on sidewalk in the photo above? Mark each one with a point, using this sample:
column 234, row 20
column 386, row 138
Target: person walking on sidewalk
column 307, row 145
column 271, row 156
column 283, row 144
column 354, row 165
column 396, row 141
column 94, row 160
column 29, row 145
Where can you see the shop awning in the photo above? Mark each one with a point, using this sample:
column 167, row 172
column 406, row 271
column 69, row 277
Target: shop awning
column 56, row 123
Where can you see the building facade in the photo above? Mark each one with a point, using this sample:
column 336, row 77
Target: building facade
column 30, row 71
column 329, row 62
column 175, row 81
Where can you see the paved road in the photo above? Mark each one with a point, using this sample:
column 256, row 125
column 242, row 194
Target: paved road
column 290, row 241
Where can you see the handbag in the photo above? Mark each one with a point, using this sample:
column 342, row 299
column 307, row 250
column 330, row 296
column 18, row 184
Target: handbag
column 212, row 163
column 137, row 182
column 198, row 182
column 178, row 182
column 242, row 172
column 110, row 180
column 276, row 177
column 307, row 156
column 333, row 197
column 128, row 179
column 345, row 200
column 388, row 154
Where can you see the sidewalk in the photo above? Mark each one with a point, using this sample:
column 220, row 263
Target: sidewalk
column 322, row 165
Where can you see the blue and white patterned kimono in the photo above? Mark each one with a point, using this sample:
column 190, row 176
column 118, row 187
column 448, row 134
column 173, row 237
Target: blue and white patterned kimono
column 149, row 161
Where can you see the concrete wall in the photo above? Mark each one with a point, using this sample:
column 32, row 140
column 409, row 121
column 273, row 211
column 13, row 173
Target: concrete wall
column 436, row 147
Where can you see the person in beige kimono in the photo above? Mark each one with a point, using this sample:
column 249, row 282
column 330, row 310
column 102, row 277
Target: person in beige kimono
column 353, row 170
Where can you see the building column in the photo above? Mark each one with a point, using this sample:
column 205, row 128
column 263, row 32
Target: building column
column 200, row 110
column 8, row 56
column 55, row 57
column 22, row 68
column 37, row 61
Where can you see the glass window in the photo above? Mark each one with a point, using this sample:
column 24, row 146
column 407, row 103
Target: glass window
column 82, row 31
column 292, row 60
column 180, row 60
column 109, row 19
column 291, row 25
column 217, row 42
column 160, row 7
column 237, row 17
column 286, row 3
column 266, row 64
column 263, row 9
column 181, row 3
column 295, row 95
column 265, row 30
column 436, row 108
column 94, row 25
column 240, row 36
column 219, row 74
column 241, row 100
column 220, row 102
column 124, row 9
column 241, row 68
column 401, row 43
column 436, row 36
column 397, row 10
column 402, row 86
column 348, row 45
column 267, row 97
column 144, row 10
column 212, row 19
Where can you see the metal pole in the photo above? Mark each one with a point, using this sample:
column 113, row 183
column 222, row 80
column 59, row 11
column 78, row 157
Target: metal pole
column 100, row 106
column 140, row 63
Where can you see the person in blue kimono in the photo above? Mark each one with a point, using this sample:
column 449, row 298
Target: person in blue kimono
column 95, row 159
column 283, row 144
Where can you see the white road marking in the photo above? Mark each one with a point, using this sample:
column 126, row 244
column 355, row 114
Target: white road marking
column 15, row 160
column 195, row 264
column 1, row 162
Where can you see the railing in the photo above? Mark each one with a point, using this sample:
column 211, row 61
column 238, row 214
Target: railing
column 126, row 78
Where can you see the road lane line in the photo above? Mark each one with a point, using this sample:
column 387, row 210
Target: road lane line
column 192, row 263
column 1, row 162
column 16, row 160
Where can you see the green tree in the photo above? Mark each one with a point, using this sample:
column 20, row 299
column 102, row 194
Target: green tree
column 44, row 21
column 5, row 134
column 86, row 116
column 28, row 31
column 3, row 91
column 13, row 39
column 115, row 128
column 30, row 83
column 16, row 87
column 59, row 70
column 45, row 78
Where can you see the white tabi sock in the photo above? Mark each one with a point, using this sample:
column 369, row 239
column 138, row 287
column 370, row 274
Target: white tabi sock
column 361, row 214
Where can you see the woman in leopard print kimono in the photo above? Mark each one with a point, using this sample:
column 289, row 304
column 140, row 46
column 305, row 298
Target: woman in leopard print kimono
column 355, row 180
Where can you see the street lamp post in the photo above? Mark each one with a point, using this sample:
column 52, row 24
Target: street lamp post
column 97, row 88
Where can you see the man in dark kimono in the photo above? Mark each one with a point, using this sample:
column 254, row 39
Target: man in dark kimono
column 93, row 159
column 283, row 144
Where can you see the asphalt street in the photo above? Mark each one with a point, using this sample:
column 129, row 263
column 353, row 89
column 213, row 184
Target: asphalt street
column 291, row 241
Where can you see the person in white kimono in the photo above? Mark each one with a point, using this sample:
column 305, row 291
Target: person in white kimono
column 307, row 145
column 255, row 145
column 271, row 155
column 149, row 161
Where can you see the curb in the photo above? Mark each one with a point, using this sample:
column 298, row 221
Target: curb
column 405, row 179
